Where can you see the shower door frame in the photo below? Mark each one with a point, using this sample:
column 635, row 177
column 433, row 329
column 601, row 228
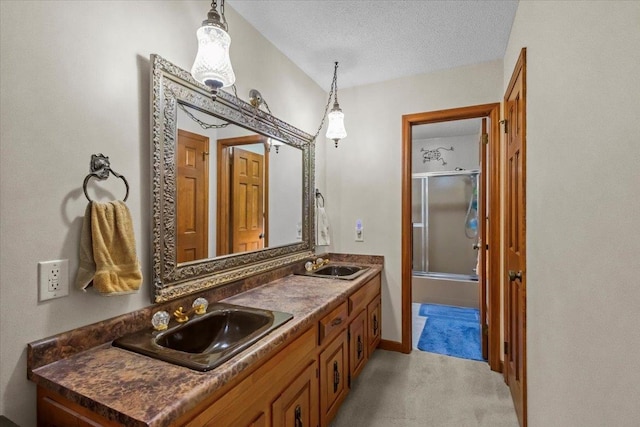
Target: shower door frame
column 424, row 208
column 490, row 284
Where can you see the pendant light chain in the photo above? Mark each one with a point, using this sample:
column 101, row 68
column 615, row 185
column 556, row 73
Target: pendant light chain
column 203, row 125
column 334, row 87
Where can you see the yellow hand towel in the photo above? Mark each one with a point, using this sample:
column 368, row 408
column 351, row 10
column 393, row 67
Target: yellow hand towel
column 87, row 267
column 117, row 270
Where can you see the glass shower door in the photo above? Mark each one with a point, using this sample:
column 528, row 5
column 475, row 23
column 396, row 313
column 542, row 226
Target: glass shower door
column 442, row 207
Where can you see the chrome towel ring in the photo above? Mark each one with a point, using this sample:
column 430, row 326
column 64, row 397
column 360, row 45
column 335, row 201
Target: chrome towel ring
column 100, row 168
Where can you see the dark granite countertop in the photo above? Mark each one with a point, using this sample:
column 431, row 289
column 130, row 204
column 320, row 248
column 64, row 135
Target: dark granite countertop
column 136, row 390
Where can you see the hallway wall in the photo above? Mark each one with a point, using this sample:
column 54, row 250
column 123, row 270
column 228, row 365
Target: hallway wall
column 583, row 199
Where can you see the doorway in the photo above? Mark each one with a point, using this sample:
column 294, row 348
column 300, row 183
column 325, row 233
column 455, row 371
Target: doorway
column 243, row 195
column 488, row 247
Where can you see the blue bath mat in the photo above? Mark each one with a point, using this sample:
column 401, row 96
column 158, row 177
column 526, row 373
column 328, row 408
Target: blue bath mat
column 452, row 331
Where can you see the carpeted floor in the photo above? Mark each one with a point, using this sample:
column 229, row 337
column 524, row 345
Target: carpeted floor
column 452, row 331
column 426, row 390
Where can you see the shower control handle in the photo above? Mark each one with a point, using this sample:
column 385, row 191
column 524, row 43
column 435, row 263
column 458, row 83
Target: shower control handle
column 513, row 276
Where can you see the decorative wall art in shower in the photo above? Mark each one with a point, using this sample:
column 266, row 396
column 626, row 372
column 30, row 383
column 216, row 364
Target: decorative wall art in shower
column 434, row 154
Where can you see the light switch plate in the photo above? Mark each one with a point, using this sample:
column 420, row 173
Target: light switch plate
column 359, row 231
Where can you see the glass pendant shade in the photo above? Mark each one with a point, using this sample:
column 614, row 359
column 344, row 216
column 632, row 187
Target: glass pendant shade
column 212, row 66
column 335, row 129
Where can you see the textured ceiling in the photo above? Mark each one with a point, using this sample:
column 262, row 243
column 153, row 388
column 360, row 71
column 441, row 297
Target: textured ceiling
column 381, row 40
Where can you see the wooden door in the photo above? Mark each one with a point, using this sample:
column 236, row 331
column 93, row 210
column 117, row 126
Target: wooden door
column 247, row 202
column 515, row 291
column 192, row 201
column 483, row 222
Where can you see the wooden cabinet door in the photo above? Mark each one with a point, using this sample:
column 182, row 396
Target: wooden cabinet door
column 357, row 344
column 374, row 324
column 297, row 406
column 56, row 411
column 333, row 377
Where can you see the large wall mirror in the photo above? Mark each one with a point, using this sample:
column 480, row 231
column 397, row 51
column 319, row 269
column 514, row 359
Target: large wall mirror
column 231, row 187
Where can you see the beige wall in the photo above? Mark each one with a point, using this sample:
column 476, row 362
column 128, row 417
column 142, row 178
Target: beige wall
column 583, row 200
column 363, row 174
column 77, row 84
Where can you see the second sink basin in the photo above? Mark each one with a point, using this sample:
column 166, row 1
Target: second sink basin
column 208, row 340
column 346, row 272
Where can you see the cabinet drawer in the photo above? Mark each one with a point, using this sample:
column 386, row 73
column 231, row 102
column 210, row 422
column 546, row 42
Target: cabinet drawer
column 360, row 298
column 333, row 322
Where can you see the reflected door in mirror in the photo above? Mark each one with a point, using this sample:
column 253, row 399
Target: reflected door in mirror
column 248, row 201
column 192, row 196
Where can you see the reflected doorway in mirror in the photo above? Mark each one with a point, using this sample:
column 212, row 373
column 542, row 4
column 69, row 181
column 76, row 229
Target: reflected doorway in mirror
column 192, row 196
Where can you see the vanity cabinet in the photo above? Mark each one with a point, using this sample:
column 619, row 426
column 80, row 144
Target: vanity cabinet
column 302, row 385
column 56, row 411
column 345, row 356
column 284, row 383
column 364, row 325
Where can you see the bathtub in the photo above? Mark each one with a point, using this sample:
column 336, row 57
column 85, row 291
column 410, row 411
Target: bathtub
column 447, row 289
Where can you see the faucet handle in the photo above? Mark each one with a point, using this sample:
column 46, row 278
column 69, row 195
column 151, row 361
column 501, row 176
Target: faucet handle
column 160, row 320
column 200, row 305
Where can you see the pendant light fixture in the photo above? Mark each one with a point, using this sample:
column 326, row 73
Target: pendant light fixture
column 212, row 66
column 335, row 129
column 274, row 143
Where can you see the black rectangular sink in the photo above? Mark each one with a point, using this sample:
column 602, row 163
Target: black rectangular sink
column 345, row 272
column 207, row 340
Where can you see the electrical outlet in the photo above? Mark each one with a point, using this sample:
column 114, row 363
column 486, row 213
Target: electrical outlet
column 53, row 279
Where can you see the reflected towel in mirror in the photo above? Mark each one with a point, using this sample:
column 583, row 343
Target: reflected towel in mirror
column 322, row 238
